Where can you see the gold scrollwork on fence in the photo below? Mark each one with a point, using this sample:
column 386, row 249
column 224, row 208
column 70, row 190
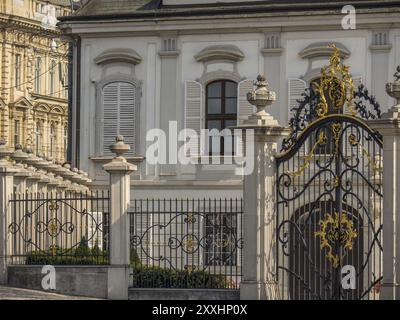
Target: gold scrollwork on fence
column 336, row 229
column 336, row 86
column 320, row 141
column 190, row 244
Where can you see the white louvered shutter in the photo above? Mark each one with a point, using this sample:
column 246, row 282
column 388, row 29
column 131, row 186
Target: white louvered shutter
column 110, row 114
column 119, row 110
column 127, row 114
column 296, row 88
column 193, row 112
column 245, row 109
column 357, row 80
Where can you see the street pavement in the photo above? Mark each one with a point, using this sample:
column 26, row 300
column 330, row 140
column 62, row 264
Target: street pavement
column 7, row 293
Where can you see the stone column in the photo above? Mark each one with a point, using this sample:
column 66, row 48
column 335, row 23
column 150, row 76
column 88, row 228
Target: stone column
column 6, row 189
column 259, row 224
column 389, row 127
column 20, row 177
column 119, row 170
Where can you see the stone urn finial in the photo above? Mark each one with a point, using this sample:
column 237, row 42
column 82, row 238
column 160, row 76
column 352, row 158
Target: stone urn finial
column 393, row 88
column 119, row 147
column 261, row 96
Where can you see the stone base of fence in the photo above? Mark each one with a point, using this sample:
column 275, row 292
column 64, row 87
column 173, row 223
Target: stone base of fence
column 183, row 294
column 86, row 281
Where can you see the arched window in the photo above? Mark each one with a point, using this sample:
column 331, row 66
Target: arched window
column 221, row 112
column 65, row 142
column 53, row 139
column 52, row 77
column 38, row 71
column 119, row 112
column 38, row 134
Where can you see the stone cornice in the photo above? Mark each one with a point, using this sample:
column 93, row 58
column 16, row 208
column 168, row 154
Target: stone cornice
column 265, row 22
column 271, row 52
column 49, row 98
column 22, row 24
column 380, row 48
column 169, row 54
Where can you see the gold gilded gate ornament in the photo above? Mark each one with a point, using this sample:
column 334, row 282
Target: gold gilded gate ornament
column 336, row 86
column 336, row 229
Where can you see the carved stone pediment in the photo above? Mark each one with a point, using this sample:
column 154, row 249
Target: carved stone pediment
column 118, row 55
column 220, row 53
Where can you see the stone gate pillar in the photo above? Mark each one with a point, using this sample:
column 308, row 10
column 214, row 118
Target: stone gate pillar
column 6, row 190
column 389, row 128
column 259, row 221
column 119, row 170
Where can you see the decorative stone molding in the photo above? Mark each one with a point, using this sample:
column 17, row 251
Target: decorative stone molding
column 380, row 42
column 380, row 48
column 323, row 50
column 229, row 53
column 271, row 52
column 272, row 45
column 220, row 74
column 169, row 54
column 118, row 55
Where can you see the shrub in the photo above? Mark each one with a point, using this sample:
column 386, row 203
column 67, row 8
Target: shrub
column 155, row 277
column 81, row 255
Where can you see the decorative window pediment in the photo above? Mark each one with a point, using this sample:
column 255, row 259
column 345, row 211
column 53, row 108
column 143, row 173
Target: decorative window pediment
column 22, row 103
column 118, row 55
column 323, row 50
column 42, row 107
column 229, row 53
column 57, row 110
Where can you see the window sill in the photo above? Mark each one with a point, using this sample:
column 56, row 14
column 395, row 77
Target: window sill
column 222, row 159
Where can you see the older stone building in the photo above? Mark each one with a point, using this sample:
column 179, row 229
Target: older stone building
column 33, row 78
column 145, row 63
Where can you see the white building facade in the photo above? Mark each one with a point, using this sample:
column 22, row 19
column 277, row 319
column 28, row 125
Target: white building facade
column 141, row 64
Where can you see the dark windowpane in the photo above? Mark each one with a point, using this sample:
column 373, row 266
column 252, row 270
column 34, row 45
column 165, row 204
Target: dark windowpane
column 214, row 106
column 221, row 113
column 230, row 89
column 214, row 124
column 231, row 105
column 214, row 90
column 230, row 123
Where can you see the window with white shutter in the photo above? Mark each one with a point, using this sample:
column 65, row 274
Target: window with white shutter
column 119, row 112
column 245, row 109
column 296, row 88
column 193, row 113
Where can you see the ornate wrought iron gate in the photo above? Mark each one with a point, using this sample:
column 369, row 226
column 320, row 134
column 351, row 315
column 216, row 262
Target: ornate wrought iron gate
column 329, row 194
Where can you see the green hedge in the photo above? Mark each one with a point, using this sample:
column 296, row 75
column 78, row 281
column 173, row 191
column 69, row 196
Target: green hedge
column 82, row 255
column 143, row 276
column 154, row 277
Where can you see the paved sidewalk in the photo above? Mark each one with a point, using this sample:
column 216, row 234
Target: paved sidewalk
column 7, row 293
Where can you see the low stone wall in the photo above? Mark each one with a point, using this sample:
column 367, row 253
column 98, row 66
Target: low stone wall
column 183, row 294
column 87, row 281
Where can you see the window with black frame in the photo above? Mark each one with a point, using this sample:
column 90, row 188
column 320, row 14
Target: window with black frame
column 221, row 113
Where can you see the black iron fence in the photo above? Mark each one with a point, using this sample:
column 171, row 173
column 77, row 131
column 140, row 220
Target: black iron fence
column 186, row 243
column 59, row 228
